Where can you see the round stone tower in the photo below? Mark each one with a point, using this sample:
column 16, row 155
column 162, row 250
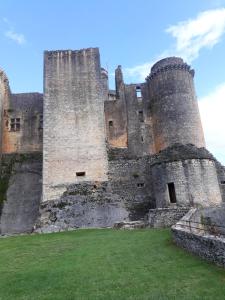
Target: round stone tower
column 174, row 109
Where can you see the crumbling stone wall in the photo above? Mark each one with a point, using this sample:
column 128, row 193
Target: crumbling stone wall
column 128, row 120
column 74, row 147
column 83, row 205
column 20, row 192
column 116, row 114
column 165, row 217
column 139, row 129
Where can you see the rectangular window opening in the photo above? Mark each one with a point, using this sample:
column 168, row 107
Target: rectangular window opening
column 80, row 174
column 110, row 123
column 138, row 92
column 141, row 115
column 140, row 184
column 223, row 182
column 41, row 122
column 15, row 124
column 172, row 192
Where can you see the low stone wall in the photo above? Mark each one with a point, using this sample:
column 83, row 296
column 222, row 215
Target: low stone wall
column 209, row 247
column 165, row 217
column 202, row 232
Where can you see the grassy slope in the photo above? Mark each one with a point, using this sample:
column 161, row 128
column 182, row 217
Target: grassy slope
column 104, row 264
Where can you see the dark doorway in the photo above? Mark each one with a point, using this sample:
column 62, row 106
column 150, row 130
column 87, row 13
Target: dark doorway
column 172, row 192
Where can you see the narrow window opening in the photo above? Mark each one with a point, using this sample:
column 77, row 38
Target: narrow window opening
column 15, row 124
column 172, row 192
column 140, row 184
column 110, row 123
column 141, row 116
column 223, row 182
column 41, row 122
column 79, row 174
column 142, row 139
column 135, row 175
column 138, row 92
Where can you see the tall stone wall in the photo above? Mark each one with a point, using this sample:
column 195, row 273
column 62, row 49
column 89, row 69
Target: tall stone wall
column 128, row 118
column 20, row 192
column 116, row 115
column 139, row 126
column 74, row 147
column 174, row 109
column 195, row 182
column 28, row 137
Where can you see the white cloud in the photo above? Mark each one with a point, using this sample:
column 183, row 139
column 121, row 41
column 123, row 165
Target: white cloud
column 10, row 33
column 205, row 31
column 139, row 71
column 19, row 38
column 212, row 108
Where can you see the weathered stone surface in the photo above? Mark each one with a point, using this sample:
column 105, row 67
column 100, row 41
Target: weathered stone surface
column 173, row 105
column 209, row 247
column 21, row 204
column 74, row 133
column 202, row 232
column 165, row 217
column 28, row 107
column 82, row 205
column 180, row 152
column 195, row 182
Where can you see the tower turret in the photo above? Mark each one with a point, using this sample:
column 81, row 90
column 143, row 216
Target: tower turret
column 174, row 109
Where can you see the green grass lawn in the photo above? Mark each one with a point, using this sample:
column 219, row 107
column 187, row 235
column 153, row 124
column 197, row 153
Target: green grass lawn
column 104, row 264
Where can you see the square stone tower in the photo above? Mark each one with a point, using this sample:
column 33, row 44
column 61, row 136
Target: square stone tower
column 74, row 148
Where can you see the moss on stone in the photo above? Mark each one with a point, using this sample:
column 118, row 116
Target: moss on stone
column 4, row 183
column 7, row 168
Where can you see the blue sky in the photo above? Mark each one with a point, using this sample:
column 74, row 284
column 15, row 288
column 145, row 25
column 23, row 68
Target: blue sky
column 132, row 33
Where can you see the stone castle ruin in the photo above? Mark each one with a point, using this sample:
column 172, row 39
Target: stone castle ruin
column 81, row 155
